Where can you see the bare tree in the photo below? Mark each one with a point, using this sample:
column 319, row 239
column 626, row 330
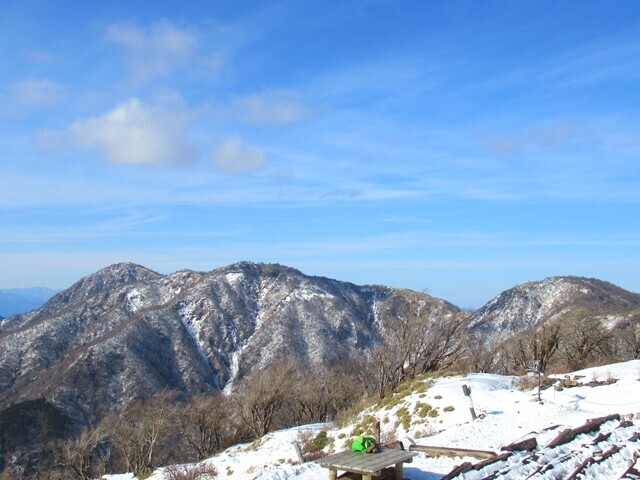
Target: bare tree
column 346, row 382
column 537, row 344
column 262, row 396
column 84, row 456
column 142, row 429
column 585, row 339
column 205, row 423
column 480, row 356
column 312, row 400
column 628, row 337
column 416, row 340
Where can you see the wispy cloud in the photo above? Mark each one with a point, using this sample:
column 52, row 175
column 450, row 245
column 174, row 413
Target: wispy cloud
column 136, row 133
column 275, row 107
column 612, row 59
column 48, row 235
column 153, row 51
column 36, row 93
column 233, row 156
column 38, row 57
column 541, row 137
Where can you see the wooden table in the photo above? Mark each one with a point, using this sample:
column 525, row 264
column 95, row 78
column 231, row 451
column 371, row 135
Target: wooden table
column 368, row 464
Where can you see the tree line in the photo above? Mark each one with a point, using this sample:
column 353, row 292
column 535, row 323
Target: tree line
column 577, row 339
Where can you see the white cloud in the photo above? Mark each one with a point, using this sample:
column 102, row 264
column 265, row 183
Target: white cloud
column 153, row 51
column 135, row 133
column 233, row 156
column 270, row 108
column 36, row 93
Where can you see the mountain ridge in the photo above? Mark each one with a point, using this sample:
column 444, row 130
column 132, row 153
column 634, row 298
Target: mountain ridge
column 126, row 330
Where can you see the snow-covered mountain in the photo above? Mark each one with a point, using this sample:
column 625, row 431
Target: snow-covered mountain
column 127, row 332
column 534, row 303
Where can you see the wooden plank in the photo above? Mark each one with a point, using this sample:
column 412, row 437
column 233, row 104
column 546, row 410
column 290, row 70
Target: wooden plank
column 452, row 451
column 591, row 426
column 563, row 437
column 591, row 460
column 631, row 472
column 552, row 464
column 529, row 444
column 334, row 458
column 375, row 462
column 464, row 467
column 489, row 461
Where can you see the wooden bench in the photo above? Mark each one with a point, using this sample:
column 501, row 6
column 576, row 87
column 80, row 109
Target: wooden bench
column 372, row 466
column 388, row 473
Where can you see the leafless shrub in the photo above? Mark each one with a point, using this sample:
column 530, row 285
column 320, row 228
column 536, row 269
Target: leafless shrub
column 608, row 377
column 312, row 445
column 200, row 471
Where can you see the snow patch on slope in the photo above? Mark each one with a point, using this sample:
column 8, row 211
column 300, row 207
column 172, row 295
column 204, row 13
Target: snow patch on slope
column 187, row 319
column 135, row 301
column 505, row 415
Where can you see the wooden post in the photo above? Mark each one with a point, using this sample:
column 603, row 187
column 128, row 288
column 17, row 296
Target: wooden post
column 467, row 393
column 399, row 471
column 296, row 447
column 333, row 474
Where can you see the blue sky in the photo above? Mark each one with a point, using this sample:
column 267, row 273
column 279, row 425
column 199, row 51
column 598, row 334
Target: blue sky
column 460, row 147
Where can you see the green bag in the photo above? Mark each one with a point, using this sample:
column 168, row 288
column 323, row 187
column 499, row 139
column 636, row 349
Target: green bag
column 364, row 444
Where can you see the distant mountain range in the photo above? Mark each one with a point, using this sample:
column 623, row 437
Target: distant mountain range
column 21, row 300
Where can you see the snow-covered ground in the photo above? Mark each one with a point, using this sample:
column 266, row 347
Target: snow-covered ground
column 505, row 415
